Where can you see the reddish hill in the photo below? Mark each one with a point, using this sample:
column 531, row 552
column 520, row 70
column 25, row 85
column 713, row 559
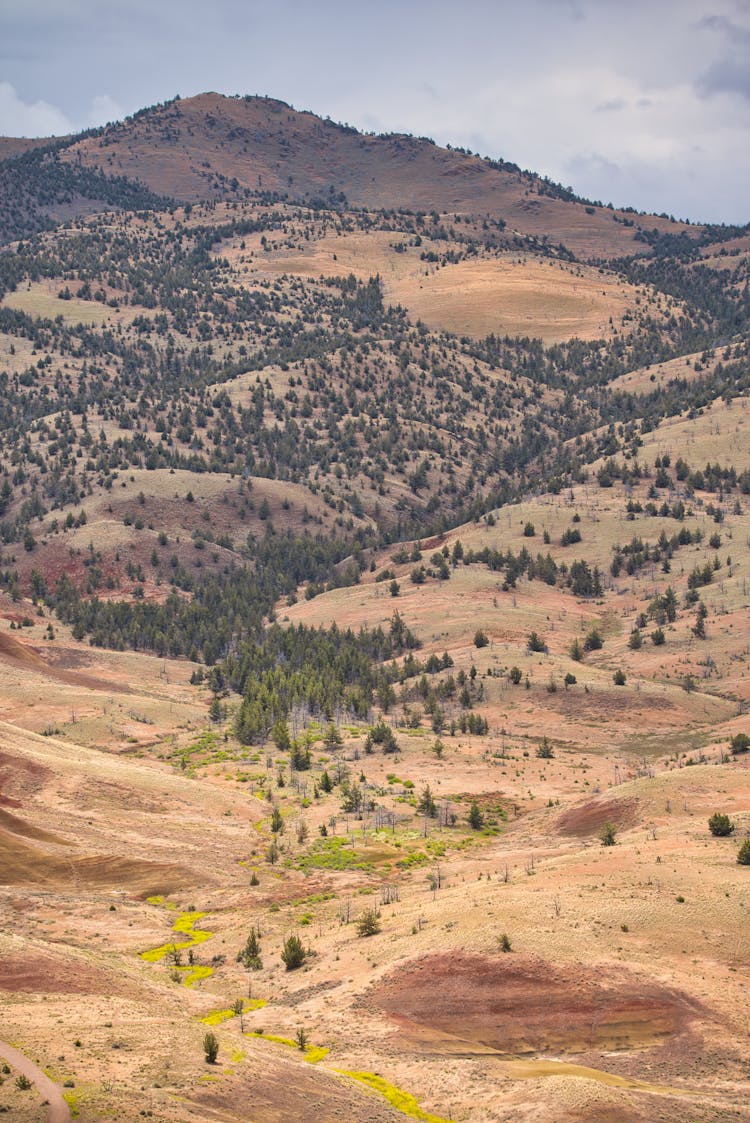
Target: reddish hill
column 11, row 146
column 212, row 146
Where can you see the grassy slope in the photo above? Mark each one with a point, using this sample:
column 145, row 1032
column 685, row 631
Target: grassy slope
column 620, row 754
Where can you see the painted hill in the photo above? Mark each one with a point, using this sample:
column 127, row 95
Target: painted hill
column 374, row 558
column 215, row 147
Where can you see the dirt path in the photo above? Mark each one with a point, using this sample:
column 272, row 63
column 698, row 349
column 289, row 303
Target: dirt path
column 57, row 1110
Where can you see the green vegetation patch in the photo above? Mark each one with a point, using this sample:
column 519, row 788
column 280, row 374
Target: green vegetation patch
column 184, row 925
column 195, row 974
column 333, row 854
column 402, row 1101
column 313, row 1053
column 71, row 1099
column 216, row 1017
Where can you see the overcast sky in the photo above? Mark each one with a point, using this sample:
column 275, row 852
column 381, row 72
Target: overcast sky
column 639, row 102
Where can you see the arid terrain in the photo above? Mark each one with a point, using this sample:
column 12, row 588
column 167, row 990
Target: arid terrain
column 375, row 593
column 125, row 811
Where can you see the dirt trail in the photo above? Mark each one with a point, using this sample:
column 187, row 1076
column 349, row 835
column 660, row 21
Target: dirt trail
column 57, row 1109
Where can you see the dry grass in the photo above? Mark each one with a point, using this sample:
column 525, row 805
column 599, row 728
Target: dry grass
column 505, row 295
column 104, row 811
column 36, row 300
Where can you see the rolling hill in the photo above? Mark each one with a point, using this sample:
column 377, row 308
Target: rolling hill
column 374, row 626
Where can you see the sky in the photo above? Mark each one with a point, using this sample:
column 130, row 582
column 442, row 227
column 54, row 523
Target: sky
column 643, row 103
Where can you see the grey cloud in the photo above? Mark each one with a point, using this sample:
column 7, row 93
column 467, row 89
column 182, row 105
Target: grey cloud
column 726, row 76
column 729, row 28
column 609, row 95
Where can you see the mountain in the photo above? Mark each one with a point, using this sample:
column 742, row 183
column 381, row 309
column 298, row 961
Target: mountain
column 374, row 621
column 212, row 147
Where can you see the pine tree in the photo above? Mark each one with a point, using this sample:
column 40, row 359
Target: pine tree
column 476, row 818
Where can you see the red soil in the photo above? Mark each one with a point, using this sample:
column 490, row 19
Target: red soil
column 22, row 655
column 24, row 864
column 43, row 974
column 282, row 1090
column 518, row 1006
column 20, row 778
column 589, row 818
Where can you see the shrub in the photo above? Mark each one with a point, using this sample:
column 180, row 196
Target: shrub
column 504, row 942
column 720, row 825
column 536, row 643
column 619, row 677
column 740, row 743
column 210, row 1047
column 608, row 834
column 476, row 818
column 743, row 855
column 515, row 675
column 293, row 954
column 381, row 734
column 368, row 923
column 480, row 638
column 249, row 956
column 593, row 641
column 570, row 536
column 545, row 750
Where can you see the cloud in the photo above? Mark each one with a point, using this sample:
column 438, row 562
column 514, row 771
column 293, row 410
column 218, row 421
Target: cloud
column 644, row 104
column 729, row 71
column 32, row 119
column 727, row 27
column 104, row 109
column 611, row 106
column 726, row 76
column 40, row 118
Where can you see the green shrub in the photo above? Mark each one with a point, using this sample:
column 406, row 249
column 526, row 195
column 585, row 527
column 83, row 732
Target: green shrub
column 740, row 743
column 368, row 923
column 210, row 1047
column 720, row 825
column 293, row 954
column 476, row 818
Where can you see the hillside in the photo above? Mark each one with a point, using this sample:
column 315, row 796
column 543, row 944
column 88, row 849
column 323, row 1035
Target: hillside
column 374, row 569
column 212, row 147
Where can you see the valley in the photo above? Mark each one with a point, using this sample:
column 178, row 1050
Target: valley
column 374, row 635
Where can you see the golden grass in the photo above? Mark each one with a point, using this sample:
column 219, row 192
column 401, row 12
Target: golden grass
column 35, row 300
column 505, row 295
column 538, row 298
column 720, row 434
